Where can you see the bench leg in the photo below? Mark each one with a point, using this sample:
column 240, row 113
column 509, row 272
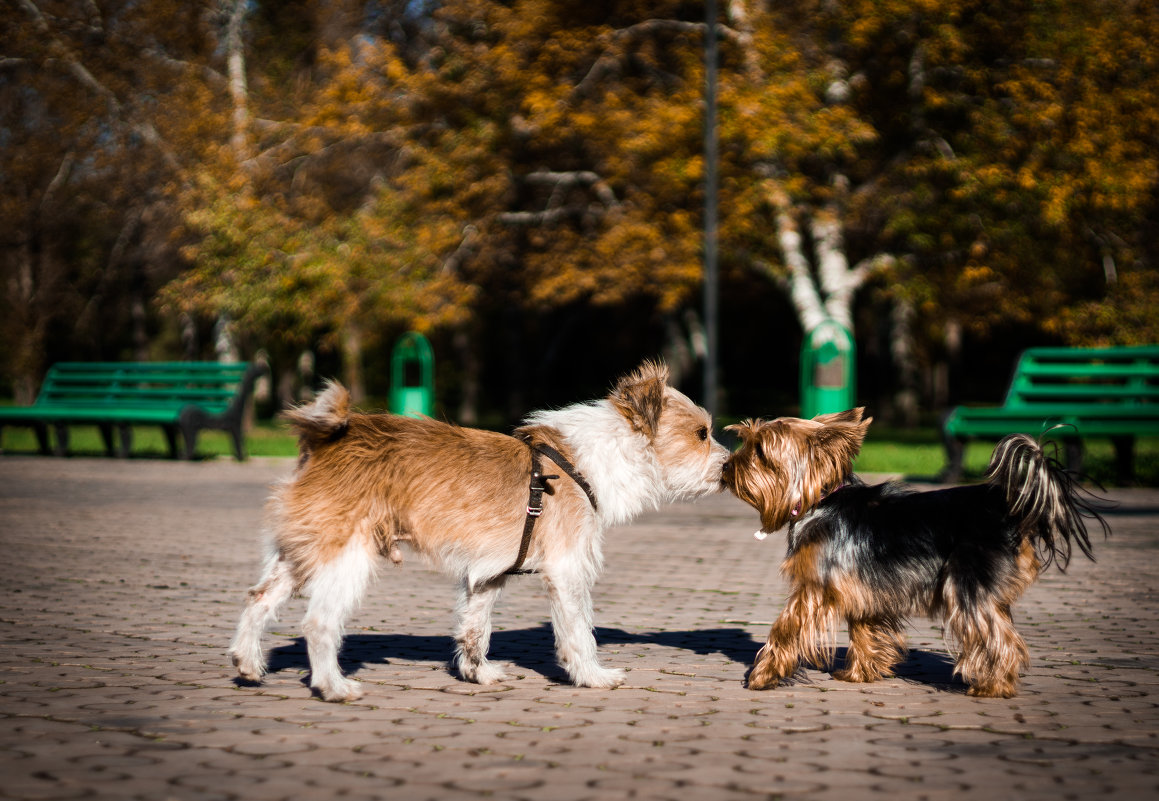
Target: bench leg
column 61, row 448
column 42, row 438
column 1124, row 460
column 124, row 441
column 171, row 440
column 238, row 438
column 1073, row 448
column 106, row 430
column 955, row 453
column 189, row 436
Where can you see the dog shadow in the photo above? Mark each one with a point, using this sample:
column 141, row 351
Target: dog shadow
column 534, row 649
column 923, row 668
column 927, row 668
column 531, row 649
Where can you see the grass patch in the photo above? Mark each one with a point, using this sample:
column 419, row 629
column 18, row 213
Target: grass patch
column 266, row 439
column 916, row 454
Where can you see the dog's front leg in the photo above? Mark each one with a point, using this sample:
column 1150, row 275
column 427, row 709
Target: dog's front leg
column 796, row 635
column 575, row 640
column 473, row 636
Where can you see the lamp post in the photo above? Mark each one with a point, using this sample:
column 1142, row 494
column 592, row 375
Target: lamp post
column 711, row 288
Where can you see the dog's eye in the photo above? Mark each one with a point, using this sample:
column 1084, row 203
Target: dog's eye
column 702, row 432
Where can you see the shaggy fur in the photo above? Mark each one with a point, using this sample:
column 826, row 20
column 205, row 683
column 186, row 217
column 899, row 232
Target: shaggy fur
column 875, row 555
column 368, row 483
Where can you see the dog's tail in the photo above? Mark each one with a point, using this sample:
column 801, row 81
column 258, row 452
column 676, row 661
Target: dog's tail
column 1047, row 499
column 325, row 419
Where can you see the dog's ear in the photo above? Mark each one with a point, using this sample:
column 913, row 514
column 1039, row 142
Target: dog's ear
column 850, row 416
column 745, row 429
column 836, row 444
column 639, row 396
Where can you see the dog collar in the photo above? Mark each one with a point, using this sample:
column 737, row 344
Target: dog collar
column 797, row 509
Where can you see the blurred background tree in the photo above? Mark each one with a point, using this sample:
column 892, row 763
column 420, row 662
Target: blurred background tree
column 523, row 181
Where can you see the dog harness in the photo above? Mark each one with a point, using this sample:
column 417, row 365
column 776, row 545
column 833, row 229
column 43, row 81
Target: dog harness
column 539, row 486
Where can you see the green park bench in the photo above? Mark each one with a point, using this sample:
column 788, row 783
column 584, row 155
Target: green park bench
column 181, row 397
column 1092, row 392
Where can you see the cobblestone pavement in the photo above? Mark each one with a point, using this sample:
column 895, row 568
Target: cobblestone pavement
column 122, row 580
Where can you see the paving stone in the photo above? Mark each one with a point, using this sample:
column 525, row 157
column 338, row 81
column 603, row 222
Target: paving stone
column 123, row 580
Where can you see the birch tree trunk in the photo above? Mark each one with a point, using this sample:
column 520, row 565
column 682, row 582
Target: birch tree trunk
column 826, row 291
column 238, row 89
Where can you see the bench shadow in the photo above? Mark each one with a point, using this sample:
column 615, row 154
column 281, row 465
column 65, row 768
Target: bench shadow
column 534, row 649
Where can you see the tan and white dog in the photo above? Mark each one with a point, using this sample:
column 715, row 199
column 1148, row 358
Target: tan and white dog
column 460, row 498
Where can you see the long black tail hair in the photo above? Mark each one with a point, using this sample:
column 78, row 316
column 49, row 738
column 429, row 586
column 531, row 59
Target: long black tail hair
column 1046, row 498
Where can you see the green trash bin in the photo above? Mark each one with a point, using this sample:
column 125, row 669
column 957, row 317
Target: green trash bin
column 828, row 363
column 412, row 376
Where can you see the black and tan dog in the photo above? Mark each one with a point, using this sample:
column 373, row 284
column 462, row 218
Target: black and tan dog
column 876, row 555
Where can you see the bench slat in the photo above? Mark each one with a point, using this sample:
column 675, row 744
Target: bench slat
column 62, row 395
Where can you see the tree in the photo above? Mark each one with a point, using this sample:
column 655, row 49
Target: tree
column 96, row 111
column 1021, row 169
column 330, row 173
column 295, row 228
column 540, row 154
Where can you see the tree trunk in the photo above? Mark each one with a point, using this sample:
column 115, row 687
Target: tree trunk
column 685, row 345
column 827, row 292
column 903, row 355
column 464, row 345
column 28, row 356
column 238, row 89
column 352, row 372
column 140, row 326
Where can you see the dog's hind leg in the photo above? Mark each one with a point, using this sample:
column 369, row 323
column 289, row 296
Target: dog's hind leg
column 263, row 602
column 335, row 590
column 993, row 652
column 575, row 640
column 473, row 636
column 875, row 646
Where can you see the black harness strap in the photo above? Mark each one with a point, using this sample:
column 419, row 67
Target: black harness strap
column 539, row 486
column 567, row 467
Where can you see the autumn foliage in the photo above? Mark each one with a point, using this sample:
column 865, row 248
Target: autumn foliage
column 323, row 175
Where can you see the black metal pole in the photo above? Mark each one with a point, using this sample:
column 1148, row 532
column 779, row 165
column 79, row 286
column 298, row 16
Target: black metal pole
column 711, row 288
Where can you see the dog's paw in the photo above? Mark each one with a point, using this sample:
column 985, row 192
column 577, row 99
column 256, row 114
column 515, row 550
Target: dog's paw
column 341, row 690
column 858, row 675
column 488, row 673
column 1004, row 690
column 600, row 678
column 248, row 668
column 762, row 682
